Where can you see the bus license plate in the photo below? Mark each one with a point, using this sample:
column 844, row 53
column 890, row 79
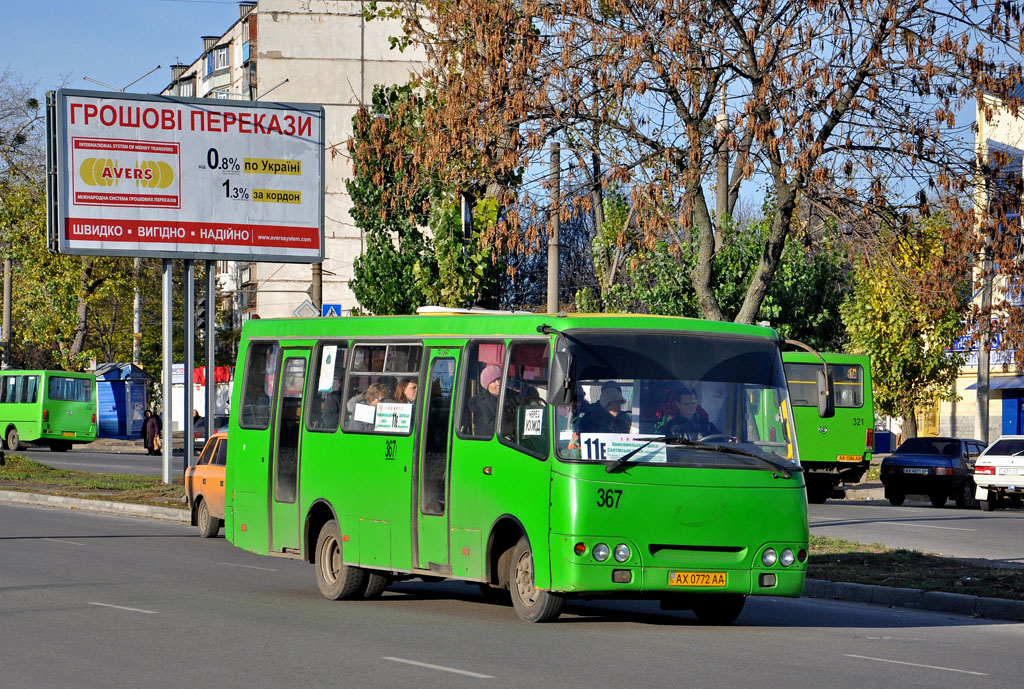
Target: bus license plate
column 68, row 434
column 698, row 579
column 848, row 458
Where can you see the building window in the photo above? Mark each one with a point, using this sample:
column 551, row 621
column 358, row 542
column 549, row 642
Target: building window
column 186, row 88
column 216, row 60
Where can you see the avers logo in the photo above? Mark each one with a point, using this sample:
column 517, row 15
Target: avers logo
column 105, row 172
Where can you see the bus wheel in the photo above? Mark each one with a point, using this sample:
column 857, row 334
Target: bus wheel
column 531, row 604
column 375, row 585
column 335, row 579
column 719, row 609
column 12, row 440
column 208, row 526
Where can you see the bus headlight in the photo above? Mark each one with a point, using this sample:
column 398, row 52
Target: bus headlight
column 622, row 552
column 601, row 552
column 769, row 557
column 787, row 557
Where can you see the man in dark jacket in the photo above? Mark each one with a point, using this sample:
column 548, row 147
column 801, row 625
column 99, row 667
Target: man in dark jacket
column 690, row 423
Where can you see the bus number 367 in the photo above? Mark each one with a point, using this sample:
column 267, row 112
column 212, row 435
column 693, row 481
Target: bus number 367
column 608, row 498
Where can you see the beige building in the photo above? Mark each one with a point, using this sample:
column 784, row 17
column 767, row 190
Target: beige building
column 1005, row 133
column 321, row 52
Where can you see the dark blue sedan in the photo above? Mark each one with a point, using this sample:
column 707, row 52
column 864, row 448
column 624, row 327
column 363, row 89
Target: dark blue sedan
column 940, row 468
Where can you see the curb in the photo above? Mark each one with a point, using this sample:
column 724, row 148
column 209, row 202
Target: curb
column 104, row 506
column 934, row 601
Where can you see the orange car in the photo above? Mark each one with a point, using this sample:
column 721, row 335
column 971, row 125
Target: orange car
column 204, row 486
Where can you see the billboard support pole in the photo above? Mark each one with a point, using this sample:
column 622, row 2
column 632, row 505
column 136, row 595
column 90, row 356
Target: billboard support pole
column 190, row 359
column 211, row 346
column 168, row 355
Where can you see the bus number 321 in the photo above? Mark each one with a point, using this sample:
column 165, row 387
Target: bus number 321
column 608, row 497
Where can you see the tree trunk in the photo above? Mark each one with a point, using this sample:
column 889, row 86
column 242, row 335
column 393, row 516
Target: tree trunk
column 909, row 427
column 771, row 255
column 81, row 312
column 702, row 275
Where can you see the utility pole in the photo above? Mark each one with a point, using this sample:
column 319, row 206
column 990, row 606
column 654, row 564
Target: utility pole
column 553, row 226
column 984, row 344
column 722, row 185
column 6, row 335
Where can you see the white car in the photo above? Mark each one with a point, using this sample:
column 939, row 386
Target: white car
column 999, row 473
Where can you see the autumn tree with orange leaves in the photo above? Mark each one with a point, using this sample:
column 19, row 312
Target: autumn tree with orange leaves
column 848, row 111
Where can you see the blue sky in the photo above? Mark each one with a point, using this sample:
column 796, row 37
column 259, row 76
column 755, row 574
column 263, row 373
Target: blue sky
column 52, row 43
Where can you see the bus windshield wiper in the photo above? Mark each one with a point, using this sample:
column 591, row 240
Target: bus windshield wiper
column 621, row 461
column 787, row 471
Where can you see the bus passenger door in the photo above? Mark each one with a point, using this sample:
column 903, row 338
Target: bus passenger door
column 431, row 544
column 285, row 450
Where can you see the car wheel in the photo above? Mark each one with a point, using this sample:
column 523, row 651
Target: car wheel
column 719, row 609
column 895, row 497
column 1015, row 501
column 990, row 502
column 335, row 579
column 208, row 525
column 531, row 603
column 13, row 444
column 937, row 499
column 965, row 498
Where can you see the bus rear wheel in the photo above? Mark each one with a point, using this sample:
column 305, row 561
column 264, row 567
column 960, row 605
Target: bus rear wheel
column 531, row 603
column 336, row 580
column 13, row 443
column 719, row 609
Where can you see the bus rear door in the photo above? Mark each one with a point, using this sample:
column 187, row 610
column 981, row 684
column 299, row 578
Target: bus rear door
column 432, row 475
column 285, row 531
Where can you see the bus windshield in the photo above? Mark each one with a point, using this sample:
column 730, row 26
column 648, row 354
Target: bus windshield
column 678, row 399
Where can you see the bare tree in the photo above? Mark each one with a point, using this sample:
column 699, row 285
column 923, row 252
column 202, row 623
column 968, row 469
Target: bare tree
column 844, row 107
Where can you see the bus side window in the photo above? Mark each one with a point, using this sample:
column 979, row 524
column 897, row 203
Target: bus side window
column 324, row 407
column 479, row 408
column 258, row 386
column 31, row 391
column 524, row 420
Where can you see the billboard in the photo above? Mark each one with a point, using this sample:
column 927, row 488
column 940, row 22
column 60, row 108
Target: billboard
column 164, row 177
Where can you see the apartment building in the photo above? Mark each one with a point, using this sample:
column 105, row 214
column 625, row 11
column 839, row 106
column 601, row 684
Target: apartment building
column 321, row 52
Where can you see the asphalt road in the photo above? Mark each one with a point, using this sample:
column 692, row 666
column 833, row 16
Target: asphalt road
column 996, row 536
column 105, row 461
column 89, row 600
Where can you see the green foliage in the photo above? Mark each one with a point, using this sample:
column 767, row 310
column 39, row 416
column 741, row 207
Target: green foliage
column 803, row 301
column 401, row 268
column 460, row 272
column 891, row 317
column 383, row 279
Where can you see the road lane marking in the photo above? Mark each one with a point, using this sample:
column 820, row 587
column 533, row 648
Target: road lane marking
column 61, row 540
column 930, row 667
column 232, row 564
column 121, row 607
column 927, row 526
column 438, row 667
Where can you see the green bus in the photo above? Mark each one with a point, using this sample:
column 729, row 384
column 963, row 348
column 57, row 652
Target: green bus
column 837, row 449
column 542, row 457
column 55, row 408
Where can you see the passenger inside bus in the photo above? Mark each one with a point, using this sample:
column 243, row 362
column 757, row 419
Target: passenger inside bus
column 607, row 416
column 689, row 423
column 484, row 405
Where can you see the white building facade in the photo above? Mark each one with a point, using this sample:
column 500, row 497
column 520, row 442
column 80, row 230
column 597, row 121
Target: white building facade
column 301, row 51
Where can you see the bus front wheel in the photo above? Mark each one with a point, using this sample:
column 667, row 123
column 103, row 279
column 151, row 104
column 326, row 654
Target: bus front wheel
column 530, row 603
column 336, row 580
column 13, row 444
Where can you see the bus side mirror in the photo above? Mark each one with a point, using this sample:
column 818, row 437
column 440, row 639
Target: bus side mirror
column 826, row 396
column 561, row 389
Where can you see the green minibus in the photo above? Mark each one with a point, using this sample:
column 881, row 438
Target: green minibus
column 55, row 408
column 837, row 449
column 541, row 457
